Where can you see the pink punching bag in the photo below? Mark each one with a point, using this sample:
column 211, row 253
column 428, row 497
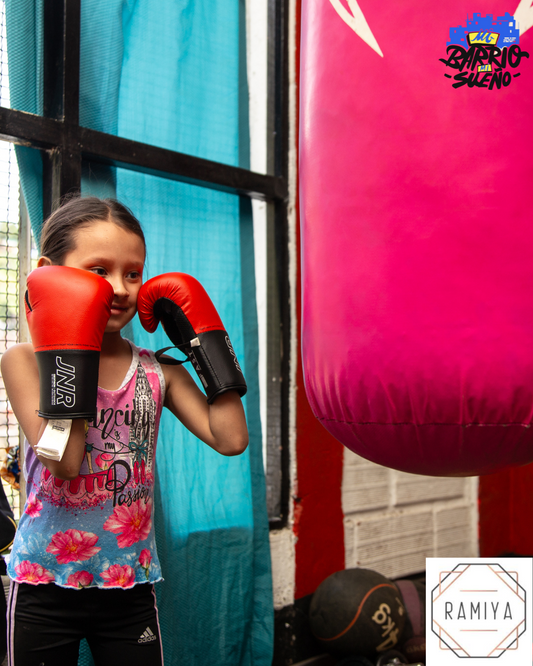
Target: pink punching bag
column 416, row 178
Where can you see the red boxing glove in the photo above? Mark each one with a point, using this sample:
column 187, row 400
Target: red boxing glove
column 67, row 311
column 193, row 325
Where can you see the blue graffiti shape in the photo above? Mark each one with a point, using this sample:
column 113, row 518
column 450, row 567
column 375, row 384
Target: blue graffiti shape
column 505, row 26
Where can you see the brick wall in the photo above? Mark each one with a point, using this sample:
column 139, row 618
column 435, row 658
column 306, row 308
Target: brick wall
column 394, row 520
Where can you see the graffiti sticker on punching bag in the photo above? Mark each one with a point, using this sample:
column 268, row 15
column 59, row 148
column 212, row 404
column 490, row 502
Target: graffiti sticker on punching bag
column 485, row 53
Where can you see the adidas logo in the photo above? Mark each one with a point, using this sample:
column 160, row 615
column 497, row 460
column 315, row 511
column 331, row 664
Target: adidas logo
column 147, row 636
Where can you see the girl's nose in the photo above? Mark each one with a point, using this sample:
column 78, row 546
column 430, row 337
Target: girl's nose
column 119, row 287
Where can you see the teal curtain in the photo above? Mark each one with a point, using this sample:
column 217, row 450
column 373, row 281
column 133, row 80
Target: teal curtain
column 172, row 74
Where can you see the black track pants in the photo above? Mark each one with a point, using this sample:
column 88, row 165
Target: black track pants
column 45, row 624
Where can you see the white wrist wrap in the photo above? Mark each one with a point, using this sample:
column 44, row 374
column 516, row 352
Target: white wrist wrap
column 54, row 439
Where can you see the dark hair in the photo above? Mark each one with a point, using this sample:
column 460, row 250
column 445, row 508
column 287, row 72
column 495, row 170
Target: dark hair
column 58, row 235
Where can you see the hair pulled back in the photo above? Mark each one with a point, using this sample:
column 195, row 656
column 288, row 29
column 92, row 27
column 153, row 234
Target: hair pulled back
column 58, row 235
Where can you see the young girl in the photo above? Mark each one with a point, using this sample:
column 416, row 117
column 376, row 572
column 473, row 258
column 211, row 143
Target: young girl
column 84, row 559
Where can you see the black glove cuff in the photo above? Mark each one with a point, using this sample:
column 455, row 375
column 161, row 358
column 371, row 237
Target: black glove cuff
column 216, row 364
column 68, row 383
column 212, row 356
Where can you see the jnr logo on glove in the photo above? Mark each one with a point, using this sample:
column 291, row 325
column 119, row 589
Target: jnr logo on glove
column 67, row 311
column 63, row 384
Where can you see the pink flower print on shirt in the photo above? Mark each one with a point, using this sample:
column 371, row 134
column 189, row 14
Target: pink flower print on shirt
column 33, row 506
column 73, row 546
column 32, row 573
column 80, row 579
column 117, row 576
column 144, row 560
column 104, row 460
column 131, row 523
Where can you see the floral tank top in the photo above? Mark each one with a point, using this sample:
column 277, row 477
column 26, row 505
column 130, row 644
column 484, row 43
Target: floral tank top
column 97, row 530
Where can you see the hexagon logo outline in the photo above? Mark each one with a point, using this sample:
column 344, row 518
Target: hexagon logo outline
column 478, row 609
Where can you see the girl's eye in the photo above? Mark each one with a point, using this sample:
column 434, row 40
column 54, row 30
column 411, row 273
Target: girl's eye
column 98, row 271
column 134, row 275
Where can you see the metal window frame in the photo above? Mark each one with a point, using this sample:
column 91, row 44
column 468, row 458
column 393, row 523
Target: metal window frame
column 64, row 145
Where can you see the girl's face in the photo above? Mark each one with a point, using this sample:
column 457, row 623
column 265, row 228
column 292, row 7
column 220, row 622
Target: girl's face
column 117, row 255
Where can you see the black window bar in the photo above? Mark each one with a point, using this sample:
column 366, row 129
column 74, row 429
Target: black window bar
column 64, row 144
